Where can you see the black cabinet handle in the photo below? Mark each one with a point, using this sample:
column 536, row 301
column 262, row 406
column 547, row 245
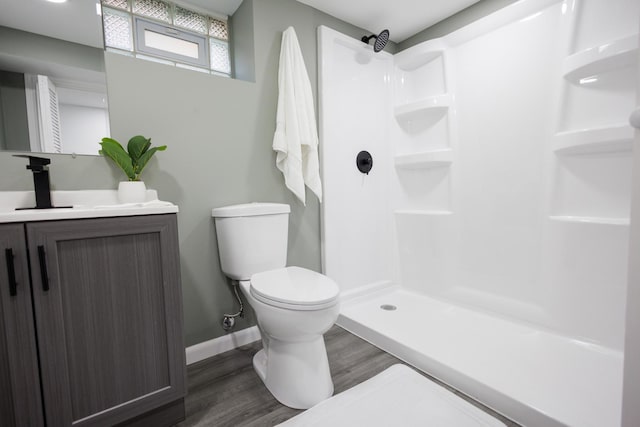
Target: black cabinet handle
column 13, row 285
column 43, row 268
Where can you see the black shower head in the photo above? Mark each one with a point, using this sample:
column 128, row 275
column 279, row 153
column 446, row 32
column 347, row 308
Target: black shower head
column 381, row 40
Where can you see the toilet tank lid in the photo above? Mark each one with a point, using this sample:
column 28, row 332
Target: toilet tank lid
column 250, row 209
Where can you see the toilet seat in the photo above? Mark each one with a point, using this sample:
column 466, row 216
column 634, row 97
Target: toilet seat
column 294, row 288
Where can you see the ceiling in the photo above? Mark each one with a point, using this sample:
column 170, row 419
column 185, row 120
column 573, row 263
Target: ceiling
column 403, row 18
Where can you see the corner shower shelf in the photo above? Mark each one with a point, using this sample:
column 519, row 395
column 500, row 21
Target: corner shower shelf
column 421, row 212
column 429, row 109
column 425, row 160
column 411, row 59
column 595, row 140
column 590, row 220
column 599, row 59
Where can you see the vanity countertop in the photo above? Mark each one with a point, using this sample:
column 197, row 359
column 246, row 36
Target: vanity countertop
column 82, row 204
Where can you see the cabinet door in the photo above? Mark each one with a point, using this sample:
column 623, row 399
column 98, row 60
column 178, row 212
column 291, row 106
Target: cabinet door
column 108, row 311
column 20, row 401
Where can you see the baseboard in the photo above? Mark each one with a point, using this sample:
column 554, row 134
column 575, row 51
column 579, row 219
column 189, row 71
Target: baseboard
column 204, row 350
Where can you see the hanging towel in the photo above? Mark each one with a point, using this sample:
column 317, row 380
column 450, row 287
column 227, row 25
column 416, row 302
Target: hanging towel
column 296, row 137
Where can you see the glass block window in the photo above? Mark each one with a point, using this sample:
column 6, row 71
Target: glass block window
column 219, row 56
column 117, row 29
column 190, row 20
column 120, row 4
column 168, row 33
column 218, row 29
column 155, row 9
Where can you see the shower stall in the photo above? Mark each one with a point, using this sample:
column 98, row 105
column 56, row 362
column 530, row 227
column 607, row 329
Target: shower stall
column 488, row 244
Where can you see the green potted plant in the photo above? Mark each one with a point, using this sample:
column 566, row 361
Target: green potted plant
column 132, row 162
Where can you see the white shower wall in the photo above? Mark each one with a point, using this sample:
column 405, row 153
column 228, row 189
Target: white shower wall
column 357, row 227
column 502, row 164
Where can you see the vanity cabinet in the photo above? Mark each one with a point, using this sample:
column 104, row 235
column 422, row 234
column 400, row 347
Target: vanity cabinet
column 92, row 334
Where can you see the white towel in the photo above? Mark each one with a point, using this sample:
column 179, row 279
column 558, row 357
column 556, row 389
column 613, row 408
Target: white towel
column 296, row 136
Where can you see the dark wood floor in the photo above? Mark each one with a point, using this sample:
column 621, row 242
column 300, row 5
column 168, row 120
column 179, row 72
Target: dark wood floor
column 225, row 391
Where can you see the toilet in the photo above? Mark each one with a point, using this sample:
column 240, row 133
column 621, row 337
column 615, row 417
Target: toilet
column 294, row 306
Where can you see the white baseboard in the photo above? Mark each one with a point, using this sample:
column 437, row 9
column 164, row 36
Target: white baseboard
column 204, row 350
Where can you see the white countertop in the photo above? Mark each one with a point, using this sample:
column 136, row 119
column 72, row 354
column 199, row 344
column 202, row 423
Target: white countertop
column 84, row 204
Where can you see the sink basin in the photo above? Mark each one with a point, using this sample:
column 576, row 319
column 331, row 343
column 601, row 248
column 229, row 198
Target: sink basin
column 83, row 204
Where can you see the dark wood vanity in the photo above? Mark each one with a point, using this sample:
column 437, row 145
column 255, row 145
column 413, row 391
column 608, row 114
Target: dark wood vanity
column 91, row 322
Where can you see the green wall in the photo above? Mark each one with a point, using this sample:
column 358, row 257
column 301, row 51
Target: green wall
column 219, row 133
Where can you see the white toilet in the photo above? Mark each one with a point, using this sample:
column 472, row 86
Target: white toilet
column 294, row 306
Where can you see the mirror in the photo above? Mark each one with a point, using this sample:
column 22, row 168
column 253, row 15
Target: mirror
column 53, row 91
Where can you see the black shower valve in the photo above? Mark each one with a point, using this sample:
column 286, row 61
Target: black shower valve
column 364, row 162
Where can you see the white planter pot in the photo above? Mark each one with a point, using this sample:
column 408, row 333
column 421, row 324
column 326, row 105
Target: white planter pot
column 132, row 192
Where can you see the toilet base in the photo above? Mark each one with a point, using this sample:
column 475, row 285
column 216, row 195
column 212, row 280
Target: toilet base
column 297, row 373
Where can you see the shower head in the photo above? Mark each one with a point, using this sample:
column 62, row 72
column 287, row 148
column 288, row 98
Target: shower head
column 381, row 40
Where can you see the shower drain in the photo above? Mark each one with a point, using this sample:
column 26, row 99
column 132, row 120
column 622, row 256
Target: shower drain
column 388, row 307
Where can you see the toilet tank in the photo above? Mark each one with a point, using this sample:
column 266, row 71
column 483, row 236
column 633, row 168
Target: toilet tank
column 252, row 238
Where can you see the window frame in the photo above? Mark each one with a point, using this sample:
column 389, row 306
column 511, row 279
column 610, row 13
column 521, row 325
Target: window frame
column 142, row 25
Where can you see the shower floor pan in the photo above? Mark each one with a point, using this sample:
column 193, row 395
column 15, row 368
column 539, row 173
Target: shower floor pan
column 532, row 376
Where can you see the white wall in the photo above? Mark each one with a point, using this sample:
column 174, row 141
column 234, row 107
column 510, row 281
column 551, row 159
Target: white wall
column 510, row 165
column 83, row 128
column 631, row 392
column 84, row 117
column 354, row 109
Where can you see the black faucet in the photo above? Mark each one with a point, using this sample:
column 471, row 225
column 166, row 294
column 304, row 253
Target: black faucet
column 38, row 166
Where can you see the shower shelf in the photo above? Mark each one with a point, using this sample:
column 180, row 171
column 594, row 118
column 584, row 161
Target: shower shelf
column 425, row 160
column 421, row 212
column 600, row 59
column 429, row 109
column 412, row 59
column 590, row 220
column 595, row 140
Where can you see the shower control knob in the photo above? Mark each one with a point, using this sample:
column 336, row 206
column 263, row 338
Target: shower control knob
column 364, row 162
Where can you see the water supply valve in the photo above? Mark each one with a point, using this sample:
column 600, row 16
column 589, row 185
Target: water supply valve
column 228, row 322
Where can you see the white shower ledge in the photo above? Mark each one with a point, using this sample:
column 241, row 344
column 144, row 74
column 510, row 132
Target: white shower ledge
column 595, row 140
column 82, row 204
column 429, row 109
column 600, row 59
column 590, row 220
column 427, row 159
column 420, row 55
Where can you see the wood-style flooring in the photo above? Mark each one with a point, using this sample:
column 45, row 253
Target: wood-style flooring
column 225, row 391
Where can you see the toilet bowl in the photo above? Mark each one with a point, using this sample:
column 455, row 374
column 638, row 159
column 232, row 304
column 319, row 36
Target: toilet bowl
column 293, row 362
column 294, row 306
